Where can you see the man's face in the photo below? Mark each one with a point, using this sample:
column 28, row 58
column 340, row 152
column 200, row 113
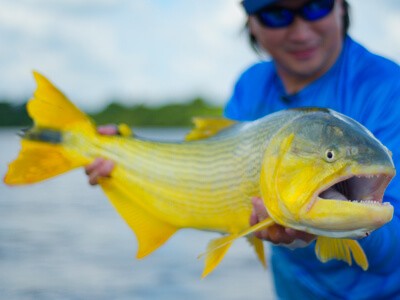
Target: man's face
column 303, row 49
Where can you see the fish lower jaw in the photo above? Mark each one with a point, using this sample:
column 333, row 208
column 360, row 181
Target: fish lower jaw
column 344, row 234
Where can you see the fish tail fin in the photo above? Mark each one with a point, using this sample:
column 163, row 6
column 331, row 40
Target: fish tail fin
column 42, row 154
column 341, row 249
column 216, row 251
column 49, row 108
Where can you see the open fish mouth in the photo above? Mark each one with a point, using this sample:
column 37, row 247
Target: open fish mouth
column 363, row 188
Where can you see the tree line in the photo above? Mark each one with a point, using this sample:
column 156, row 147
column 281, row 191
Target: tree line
column 169, row 115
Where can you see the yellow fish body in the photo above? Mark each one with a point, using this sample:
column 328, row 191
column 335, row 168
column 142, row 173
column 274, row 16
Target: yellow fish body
column 307, row 164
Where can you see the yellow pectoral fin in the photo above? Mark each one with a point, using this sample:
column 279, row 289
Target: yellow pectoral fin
column 341, row 249
column 216, row 251
column 217, row 248
column 151, row 233
column 258, row 248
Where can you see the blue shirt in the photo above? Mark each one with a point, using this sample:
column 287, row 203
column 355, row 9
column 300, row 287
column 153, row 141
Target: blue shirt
column 365, row 87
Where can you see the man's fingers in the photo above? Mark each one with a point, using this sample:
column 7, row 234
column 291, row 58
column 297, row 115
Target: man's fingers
column 94, row 165
column 259, row 208
column 277, row 235
column 107, row 129
column 299, row 235
column 99, row 168
column 253, row 218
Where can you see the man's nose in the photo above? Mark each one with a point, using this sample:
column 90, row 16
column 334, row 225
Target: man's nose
column 300, row 30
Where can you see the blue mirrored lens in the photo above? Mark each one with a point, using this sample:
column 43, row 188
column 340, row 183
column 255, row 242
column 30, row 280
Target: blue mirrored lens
column 317, row 9
column 277, row 17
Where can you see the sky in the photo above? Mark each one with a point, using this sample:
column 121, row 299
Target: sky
column 147, row 51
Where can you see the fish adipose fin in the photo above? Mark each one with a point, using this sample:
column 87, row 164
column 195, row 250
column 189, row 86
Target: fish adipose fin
column 341, row 249
column 206, row 127
column 217, row 248
column 151, row 232
column 52, row 113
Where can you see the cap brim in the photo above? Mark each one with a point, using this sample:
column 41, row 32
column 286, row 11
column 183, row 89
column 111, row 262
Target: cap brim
column 252, row 6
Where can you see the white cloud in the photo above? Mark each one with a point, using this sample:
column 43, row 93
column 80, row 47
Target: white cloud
column 375, row 24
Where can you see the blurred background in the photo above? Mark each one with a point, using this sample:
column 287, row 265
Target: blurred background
column 127, row 60
column 137, row 52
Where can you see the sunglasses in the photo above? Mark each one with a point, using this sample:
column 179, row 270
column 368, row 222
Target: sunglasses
column 274, row 16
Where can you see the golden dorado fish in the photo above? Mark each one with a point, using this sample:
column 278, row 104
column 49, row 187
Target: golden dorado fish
column 317, row 171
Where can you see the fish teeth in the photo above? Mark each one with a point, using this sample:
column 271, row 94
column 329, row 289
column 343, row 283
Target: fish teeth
column 370, row 202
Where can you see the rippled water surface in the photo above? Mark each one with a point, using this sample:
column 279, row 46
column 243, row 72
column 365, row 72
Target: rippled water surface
column 62, row 239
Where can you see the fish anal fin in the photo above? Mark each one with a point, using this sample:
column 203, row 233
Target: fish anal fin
column 258, row 248
column 341, row 249
column 206, row 127
column 216, row 251
column 49, row 108
column 151, row 233
column 38, row 161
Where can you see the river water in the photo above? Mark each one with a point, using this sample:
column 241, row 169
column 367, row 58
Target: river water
column 62, row 239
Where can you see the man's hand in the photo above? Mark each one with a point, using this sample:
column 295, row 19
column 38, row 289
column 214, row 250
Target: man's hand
column 101, row 167
column 276, row 234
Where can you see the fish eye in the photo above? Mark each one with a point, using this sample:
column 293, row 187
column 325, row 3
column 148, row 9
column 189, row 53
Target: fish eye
column 330, row 155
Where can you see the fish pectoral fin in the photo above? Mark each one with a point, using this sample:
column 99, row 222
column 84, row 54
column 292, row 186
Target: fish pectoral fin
column 217, row 248
column 341, row 249
column 258, row 248
column 206, row 127
column 151, row 232
column 216, row 251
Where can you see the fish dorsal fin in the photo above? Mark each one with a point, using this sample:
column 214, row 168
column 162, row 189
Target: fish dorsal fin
column 49, row 108
column 206, row 127
column 258, row 248
column 151, row 232
column 341, row 249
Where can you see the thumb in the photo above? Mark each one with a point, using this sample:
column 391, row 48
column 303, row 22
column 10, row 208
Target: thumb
column 259, row 208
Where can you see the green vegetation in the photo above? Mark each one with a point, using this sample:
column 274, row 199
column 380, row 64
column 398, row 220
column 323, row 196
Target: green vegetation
column 171, row 115
column 13, row 115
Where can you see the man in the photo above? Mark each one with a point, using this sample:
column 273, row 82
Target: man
column 315, row 63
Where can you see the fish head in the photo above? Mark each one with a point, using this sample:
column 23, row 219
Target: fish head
column 324, row 173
